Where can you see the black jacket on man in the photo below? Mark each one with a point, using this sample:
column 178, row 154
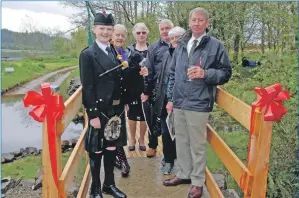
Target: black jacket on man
column 154, row 61
column 99, row 93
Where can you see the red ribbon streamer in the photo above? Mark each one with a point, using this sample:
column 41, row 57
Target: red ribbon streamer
column 51, row 107
column 271, row 99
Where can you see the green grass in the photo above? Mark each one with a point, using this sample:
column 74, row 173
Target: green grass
column 27, row 167
column 28, row 69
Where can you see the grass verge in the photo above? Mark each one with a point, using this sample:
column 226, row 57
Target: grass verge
column 29, row 69
column 27, row 167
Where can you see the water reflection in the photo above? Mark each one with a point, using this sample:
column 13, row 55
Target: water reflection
column 20, row 130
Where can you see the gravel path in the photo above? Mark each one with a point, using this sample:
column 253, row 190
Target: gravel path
column 35, row 84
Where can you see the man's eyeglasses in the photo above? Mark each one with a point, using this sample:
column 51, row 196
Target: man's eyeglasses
column 138, row 33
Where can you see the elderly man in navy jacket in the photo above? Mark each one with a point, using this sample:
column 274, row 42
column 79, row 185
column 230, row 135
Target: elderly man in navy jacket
column 153, row 62
column 199, row 64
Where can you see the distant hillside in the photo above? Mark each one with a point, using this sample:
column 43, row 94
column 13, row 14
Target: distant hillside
column 26, row 41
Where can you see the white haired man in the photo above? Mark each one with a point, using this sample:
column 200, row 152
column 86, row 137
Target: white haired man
column 199, row 64
column 153, row 62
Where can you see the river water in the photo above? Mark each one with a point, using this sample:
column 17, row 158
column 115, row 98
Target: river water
column 19, row 129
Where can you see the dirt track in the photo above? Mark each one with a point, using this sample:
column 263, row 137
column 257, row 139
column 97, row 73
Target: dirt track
column 57, row 76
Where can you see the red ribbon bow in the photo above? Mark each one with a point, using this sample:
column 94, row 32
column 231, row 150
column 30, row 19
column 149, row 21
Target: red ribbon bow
column 271, row 98
column 51, row 107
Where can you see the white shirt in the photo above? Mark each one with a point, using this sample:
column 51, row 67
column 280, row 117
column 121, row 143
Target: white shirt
column 102, row 46
column 190, row 42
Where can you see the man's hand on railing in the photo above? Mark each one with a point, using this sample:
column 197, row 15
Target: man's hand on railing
column 96, row 123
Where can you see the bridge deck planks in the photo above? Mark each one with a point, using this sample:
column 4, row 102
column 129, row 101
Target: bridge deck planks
column 137, row 152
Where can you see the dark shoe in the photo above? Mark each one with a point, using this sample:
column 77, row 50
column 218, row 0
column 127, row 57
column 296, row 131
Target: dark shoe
column 167, row 168
column 151, row 152
column 131, row 148
column 95, row 191
column 195, row 192
column 125, row 170
column 176, row 181
column 115, row 192
column 142, row 148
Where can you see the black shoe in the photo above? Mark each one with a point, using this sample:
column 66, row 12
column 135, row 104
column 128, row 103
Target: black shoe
column 95, row 191
column 115, row 192
column 125, row 170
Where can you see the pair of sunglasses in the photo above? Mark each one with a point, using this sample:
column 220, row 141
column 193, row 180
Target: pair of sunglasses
column 138, row 33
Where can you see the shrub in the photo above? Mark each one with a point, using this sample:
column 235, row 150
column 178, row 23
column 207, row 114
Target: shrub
column 42, row 65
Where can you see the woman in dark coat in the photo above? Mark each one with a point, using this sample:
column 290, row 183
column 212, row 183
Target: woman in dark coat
column 169, row 147
column 135, row 113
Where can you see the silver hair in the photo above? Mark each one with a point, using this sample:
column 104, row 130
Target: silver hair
column 166, row 21
column 121, row 26
column 140, row 26
column 199, row 10
column 176, row 31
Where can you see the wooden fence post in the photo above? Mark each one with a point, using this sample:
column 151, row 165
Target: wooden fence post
column 258, row 161
column 49, row 189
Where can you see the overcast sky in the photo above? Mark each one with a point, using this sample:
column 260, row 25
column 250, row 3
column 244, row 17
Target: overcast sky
column 43, row 14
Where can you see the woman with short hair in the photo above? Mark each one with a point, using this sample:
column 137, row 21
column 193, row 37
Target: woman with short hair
column 135, row 113
column 119, row 37
column 169, row 147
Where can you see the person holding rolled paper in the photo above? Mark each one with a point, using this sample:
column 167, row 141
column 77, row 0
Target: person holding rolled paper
column 103, row 101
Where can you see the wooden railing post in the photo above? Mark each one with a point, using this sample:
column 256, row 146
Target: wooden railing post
column 49, row 189
column 258, row 160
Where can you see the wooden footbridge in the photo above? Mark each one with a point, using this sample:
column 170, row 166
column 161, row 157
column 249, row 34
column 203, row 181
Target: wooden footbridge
column 251, row 177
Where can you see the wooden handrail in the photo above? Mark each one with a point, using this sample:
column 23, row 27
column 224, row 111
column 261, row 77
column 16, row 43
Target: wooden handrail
column 252, row 179
column 212, row 186
column 72, row 106
column 234, row 107
column 72, row 165
column 234, row 165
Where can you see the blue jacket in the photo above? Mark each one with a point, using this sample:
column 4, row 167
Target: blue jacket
column 198, row 94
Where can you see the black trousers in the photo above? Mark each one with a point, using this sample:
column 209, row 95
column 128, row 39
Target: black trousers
column 169, row 147
column 152, row 141
column 95, row 165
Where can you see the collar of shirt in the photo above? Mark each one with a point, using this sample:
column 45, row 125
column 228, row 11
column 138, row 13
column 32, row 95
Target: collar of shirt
column 102, row 46
column 190, row 42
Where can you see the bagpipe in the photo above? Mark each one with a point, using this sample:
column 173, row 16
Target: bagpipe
column 135, row 60
column 122, row 64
